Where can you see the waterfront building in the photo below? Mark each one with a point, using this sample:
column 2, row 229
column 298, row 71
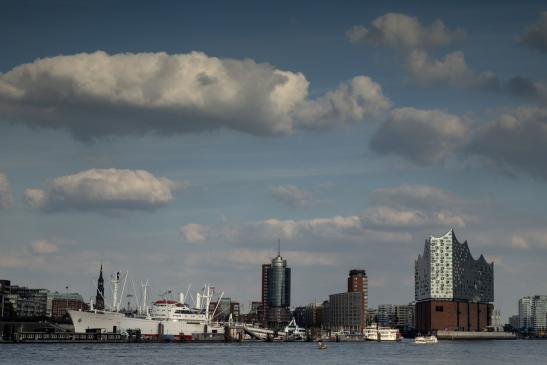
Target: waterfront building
column 263, row 309
column 358, row 282
column 6, row 309
column 224, row 308
column 372, row 316
column 59, row 303
column 309, row 316
column 343, row 312
column 99, row 298
column 348, row 311
column 533, row 314
column 276, row 293
column 26, row 302
column 452, row 290
column 514, row 321
column 395, row 315
column 525, row 313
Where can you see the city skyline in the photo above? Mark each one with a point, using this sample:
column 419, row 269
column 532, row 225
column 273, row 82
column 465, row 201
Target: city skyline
column 180, row 141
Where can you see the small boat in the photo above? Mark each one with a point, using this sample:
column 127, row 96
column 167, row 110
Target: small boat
column 322, row 345
column 424, row 340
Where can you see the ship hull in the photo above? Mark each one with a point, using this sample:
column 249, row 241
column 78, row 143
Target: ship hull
column 118, row 322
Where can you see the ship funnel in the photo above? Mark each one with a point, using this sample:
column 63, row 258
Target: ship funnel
column 181, row 298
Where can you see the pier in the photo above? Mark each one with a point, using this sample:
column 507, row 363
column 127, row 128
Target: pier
column 463, row 335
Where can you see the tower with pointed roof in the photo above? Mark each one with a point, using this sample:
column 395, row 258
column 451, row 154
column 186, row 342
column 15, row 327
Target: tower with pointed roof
column 99, row 298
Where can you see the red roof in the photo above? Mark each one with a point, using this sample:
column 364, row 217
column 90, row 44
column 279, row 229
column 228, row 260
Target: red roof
column 165, row 301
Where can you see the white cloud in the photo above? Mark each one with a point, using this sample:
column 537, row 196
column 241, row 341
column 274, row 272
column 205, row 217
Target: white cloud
column 97, row 94
column 6, row 198
column 536, row 35
column 105, row 190
column 194, row 233
column 452, row 70
column 377, row 224
column 406, row 33
column 422, row 136
column 402, row 31
column 354, row 100
column 291, row 196
column 44, row 247
column 382, row 217
column 415, row 196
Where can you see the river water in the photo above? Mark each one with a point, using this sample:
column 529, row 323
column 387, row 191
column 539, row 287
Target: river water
column 445, row 352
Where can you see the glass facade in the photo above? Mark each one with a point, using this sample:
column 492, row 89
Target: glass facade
column 279, row 283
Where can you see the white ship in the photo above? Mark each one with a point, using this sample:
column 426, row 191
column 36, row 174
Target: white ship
column 376, row 333
column 424, row 340
column 167, row 318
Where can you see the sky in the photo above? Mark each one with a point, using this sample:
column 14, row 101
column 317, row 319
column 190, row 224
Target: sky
column 179, row 141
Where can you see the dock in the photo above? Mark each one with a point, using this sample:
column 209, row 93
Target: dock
column 464, row 335
column 70, row 337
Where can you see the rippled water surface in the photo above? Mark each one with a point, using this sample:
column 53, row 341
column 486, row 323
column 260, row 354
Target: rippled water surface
column 461, row 352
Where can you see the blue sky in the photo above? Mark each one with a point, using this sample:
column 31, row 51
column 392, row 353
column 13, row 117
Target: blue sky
column 179, row 141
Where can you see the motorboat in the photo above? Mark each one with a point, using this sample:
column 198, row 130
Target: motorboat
column 424, row 340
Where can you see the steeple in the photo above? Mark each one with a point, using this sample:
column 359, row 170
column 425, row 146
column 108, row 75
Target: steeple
column 279, row 247
column 99, row 298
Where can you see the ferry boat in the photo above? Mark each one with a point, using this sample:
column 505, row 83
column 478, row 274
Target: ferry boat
column 424, row 340
column 376, row 333
column 166, row 318
column 294, row 332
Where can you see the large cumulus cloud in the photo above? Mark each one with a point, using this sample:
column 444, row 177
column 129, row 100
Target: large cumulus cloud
column 402, row 31
column 414, row 39
column 97, row 94
column 536, row 35
column 103, row 190
column 515, row 142
column 421, row 136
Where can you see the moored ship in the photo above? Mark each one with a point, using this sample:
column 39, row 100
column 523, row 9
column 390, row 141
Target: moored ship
column 166, row 318
column 377, row 333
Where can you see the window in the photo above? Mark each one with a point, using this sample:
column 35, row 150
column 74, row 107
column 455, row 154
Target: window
column 439, row 308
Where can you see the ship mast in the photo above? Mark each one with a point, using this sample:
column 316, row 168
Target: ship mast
column 115, row 281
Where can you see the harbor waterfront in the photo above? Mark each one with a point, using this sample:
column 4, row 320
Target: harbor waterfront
column 447, row 352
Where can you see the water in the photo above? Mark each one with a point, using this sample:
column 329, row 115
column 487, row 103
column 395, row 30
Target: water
column 445, row 352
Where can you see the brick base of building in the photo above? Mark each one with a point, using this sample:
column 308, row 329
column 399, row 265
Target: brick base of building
column 452, row 315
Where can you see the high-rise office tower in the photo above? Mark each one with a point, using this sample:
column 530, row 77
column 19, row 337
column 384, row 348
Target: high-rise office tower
column 276, row 287
column 358, row 282
column 263, row 309
column 533, row 314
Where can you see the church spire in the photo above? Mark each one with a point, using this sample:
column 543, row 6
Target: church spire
column 99, row 298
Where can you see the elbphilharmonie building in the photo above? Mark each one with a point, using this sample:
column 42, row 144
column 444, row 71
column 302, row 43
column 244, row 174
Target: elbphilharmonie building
column 452, row 290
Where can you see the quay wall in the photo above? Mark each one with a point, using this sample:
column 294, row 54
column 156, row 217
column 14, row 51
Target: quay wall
column 474, row 335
